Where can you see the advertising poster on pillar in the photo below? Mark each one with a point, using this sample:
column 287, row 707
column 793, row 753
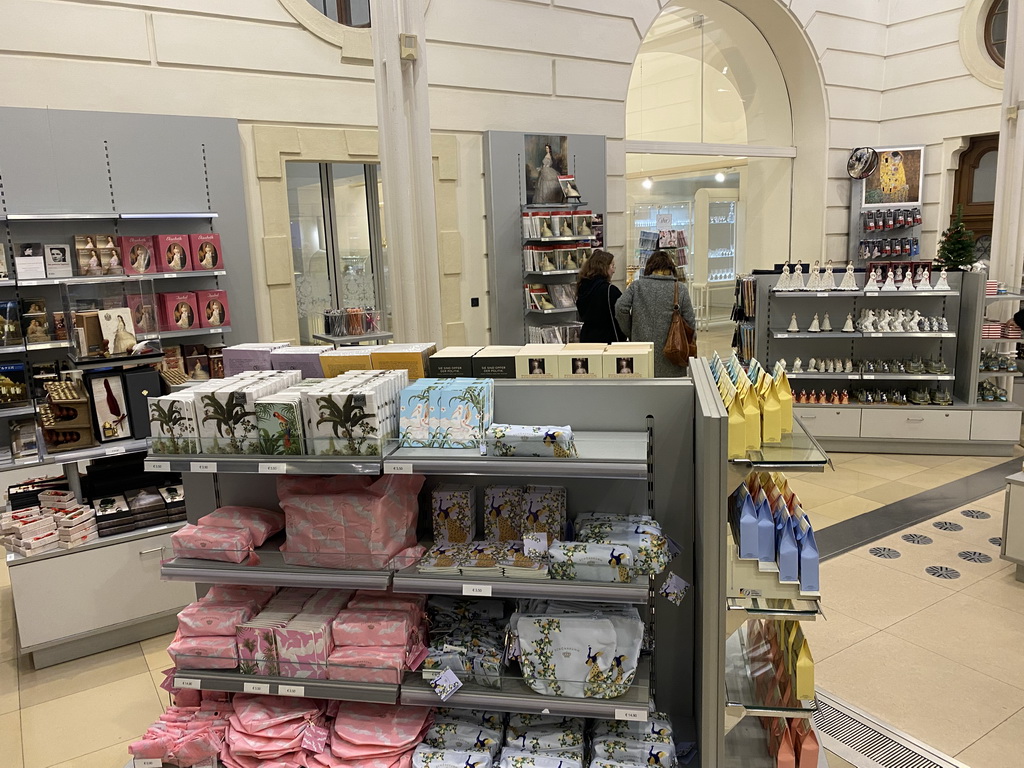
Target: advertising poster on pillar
column 897, row 179
column 546, row 158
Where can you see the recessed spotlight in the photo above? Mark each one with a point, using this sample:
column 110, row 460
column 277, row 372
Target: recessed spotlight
column 725, row 70
column 649, row 182
column 719, row 177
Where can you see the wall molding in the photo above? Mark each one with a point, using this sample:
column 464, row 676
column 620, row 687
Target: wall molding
column 355, row 44
column 972, row 44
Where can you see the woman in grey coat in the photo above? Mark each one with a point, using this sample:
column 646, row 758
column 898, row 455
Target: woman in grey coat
column 644, row 311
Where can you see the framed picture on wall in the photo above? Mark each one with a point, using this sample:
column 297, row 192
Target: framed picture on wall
column 898, row 178
column 546, row 158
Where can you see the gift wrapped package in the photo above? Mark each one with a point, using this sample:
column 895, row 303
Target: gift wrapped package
column 540, row 441
column 231, row 545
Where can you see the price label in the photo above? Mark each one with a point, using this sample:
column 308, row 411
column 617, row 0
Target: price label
column 291, row 690
column 202, row 466
column 821, row 295
column 272, row 469
column 476, row 590
column 874, row 335
column 147, row 762
column 256, row 687
column 636, row 715
column 398, row 468
column 868, row 376
column 158, row 466
column 781, row 335
column 446, row 684
column 871, row 293
column 116, row 450
column 186, row 682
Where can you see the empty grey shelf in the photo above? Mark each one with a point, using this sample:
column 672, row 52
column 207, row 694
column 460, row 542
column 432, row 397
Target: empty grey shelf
column 1004, row 297
column 263, row 465
column 194, row 332
column 555, row 311
column 20, row 410
column 235, row 682
column 816, row 294
column 12, row 349
column 909, row 294
column 911, row 335
column 411, row 581
column 96, row 280
column 809, row 335
column 514, row 695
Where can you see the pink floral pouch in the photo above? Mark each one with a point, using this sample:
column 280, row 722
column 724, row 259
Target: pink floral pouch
column 230, row 545
column 203, row 652
column 383, row 664
column 211, row 617
column 261, row 523
column 372, row 628
column 382, row 724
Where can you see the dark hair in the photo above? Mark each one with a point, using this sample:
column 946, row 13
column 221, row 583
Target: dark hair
column 660, row 261
column 598, row 265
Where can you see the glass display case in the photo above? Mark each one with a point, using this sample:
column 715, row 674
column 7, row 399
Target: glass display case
column 716, row 254
column 664, row 226
column 106, row 321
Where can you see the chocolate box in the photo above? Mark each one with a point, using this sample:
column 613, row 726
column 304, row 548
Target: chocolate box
column 495, row 363
column 178, row 311
column 206, row 252
column 213, row 308
column 138, row 254
column 173, row 253
column 453, row 362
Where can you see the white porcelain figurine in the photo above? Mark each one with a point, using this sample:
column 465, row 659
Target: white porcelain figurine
column 848, row 328
column 784, row 279
column 793, row 327
column 849, row 281
column 942, row 285
column 815, row 327
column 826, row 324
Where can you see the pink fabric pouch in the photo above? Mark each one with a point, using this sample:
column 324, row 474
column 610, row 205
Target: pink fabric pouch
column 263, row 747
column 209, row 617
column 261, row 523
column 231, row 545
column 389, row 725
column 239, row 593
column 255, row 713
column 367, row 665
column 348, row 522
column 372, row 628
column 375, row 601
column 203, row 652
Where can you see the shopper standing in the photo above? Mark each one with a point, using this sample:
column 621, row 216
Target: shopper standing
column 595, row 300
column 645, row 310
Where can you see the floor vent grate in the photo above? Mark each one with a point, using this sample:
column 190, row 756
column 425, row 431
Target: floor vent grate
column 863, row 741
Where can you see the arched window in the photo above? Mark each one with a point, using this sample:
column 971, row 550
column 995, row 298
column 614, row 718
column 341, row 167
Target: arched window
column 995, row 31
column 351, row 13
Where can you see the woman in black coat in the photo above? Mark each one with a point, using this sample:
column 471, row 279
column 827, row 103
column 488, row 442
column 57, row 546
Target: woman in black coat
column 595, row 300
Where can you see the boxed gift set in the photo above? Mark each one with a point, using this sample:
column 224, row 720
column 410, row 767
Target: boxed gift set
column 138, row 254
column 206, row 252
column 178, row 311
column 173, row 253
column 213, row 308
column 446, row 413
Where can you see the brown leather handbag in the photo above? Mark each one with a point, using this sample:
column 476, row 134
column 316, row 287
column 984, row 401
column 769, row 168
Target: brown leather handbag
column 681, row 342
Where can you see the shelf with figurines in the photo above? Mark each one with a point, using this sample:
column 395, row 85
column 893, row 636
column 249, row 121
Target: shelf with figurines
column 916, row 281
column 885, row 323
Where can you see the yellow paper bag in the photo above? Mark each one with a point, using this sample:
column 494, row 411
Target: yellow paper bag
column 804, row 683
column 771, row 414
column 785, row 393
column 752, row 414
column 737, row 429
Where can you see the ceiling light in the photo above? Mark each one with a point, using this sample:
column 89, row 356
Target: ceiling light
column 719, row 177
column 649, row 182
column 725, row 70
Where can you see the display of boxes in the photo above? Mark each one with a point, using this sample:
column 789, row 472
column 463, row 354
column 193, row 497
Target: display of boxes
column 173, row 253
column 538, row 361
column 13, row 386
column 453, row 362
column 249, row 357
column 280, row 424
column 206, row 252
column 178, row 311
column 453, row 512
column 413, row 358
column 226, row 411
column 67, row 439
column 353, row 415
column 64, row 416
column 213, row 308
column 137, row 254
column 629, row 360
column 172, row 424
column 581, row 361
column 495, row 362
column 303, row 359
column 29, row 263
column 338, row 361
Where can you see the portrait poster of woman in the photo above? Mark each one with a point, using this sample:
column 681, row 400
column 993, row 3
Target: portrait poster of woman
column 545, row 158
column 897, row 179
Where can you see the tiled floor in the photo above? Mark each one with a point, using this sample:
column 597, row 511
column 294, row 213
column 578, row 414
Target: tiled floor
column 938, row 659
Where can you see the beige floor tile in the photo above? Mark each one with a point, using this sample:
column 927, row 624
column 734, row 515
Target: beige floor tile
column 813, row 495
column 999, row 748
column 971, row 632
column 164, row 696
column 86, row 722
column 845, row 508
column 943, row 551
column 842, row 458
column 847, row 481
column 944, row 704
column 890, row 492
column 834, row 633
column 874, row 594
column 993, row 503
column 976, row 531
column 926, row 461
column 884, row 466
column 155, row 650
column 42, row 685
column 1000, row 589
column 927, row 479
column 822, row 521
column 9, row 699
column 6, row 604
column 972, row 464
column 835, row 761
column 5, row 575
column 8, row 640
column 10, row 740
column 111, row 757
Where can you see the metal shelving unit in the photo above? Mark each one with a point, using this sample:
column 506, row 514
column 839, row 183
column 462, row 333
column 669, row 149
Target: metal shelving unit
column 13, row 558
column 263, row 465
column 194, row 332
column 120, row 278
column 235, row 682
column 340, row 341
column 410, row 581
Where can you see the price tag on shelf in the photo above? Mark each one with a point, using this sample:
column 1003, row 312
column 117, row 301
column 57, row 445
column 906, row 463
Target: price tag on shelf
column 822, row 295
column 868, row 376
column 202, row 466
column 115, row 451
column 157, row 466
column 256, row 688
column 147, row 762
column 636, row 715
column 397, row 468
column 874, row 335
column 870, row 293
column 476, row 590
column 291, row 690
column 186, row 682
column 781, row 335
column 277, row 468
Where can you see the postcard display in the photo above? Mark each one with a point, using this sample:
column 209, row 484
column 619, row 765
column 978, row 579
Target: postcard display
column 610, row 474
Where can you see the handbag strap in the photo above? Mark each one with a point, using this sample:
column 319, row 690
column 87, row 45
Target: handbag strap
column 675, row 299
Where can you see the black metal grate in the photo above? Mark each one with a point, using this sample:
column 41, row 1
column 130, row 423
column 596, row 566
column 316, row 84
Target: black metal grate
column 975, row 514
column 945, row 525
column 886, row 553
column 942, row 572
column 916, row 538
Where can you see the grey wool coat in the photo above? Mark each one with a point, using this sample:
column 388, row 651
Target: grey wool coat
column 644, row 313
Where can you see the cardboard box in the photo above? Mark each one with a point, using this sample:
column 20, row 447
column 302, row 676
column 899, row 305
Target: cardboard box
column 249, row 357
column 213, row 308
column 140, row 384
column 206, row 253
column 628, row 360
column 538, row 361
column 336, row 362
column 453, row 362
column 138, row 254
column 58, row 259
column 178, row 311
column 144, row 312
column 410, row 357
column 70, row 439
column 581, row 361
column 303, row 359
column 173, row 253
column 495, row 362
column 64, row 416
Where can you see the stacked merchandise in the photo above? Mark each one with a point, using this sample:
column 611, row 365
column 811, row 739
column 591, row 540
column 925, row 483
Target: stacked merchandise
column 599, row 647
column 187, row 735
column 446, row 413
column 249, row 357
column 206, row 629
column 769, row 525
column 377, row 638
column 355, row 414
column 66, row 416
column 543, row 358
column 228, row 534
column 303, row 359
column 563, row 333
column 536, row 441
column 29, row 531
column 468, row 637
column 256, row 639
column 378, row 735
column 352, row 321
column 760, row 404
column 461, row 738
column 13, row 388
column 611, row 547
column 743, row 313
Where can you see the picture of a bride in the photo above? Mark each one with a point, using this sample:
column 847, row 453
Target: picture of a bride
column 545, row 159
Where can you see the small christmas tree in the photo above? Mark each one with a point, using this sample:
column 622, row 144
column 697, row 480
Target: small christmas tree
column 956, row 248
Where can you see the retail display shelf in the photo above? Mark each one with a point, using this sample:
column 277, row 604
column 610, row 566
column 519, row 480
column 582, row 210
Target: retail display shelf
column 21, row 410
column 908, row 294
column 997, row 405
column 797, row 452
column 272, row 571
column 873, row 376
column 85, row 454
column 114, row 279
column 746, row 746
column 8, row 283
column 235, row 682
column 740, row 690
column 14, row 559
column 515, row 695
column 411, row 581
column 553, row 272
column 47, row 345
column 809, row 335
column 556, row 311
column 816, row 294
column 860, row 335
column 999, row 374
column 263, row 465
column 108, row 215
column 194, row 332
column 610, row 455
column 552, row 206
column 573, row 239
column 911, row 335
column 739, row 609
column 12, row 349
column 89, row 364
column 1004, row 297
column 171, row 215
column 753, row 579
column 357, row 339
column 830, row 376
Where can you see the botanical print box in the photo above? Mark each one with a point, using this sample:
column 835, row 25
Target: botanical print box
column 172, row 423
column 453, row 512
column 279, row 419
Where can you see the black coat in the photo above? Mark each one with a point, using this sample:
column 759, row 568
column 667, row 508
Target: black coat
column 595, row 302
